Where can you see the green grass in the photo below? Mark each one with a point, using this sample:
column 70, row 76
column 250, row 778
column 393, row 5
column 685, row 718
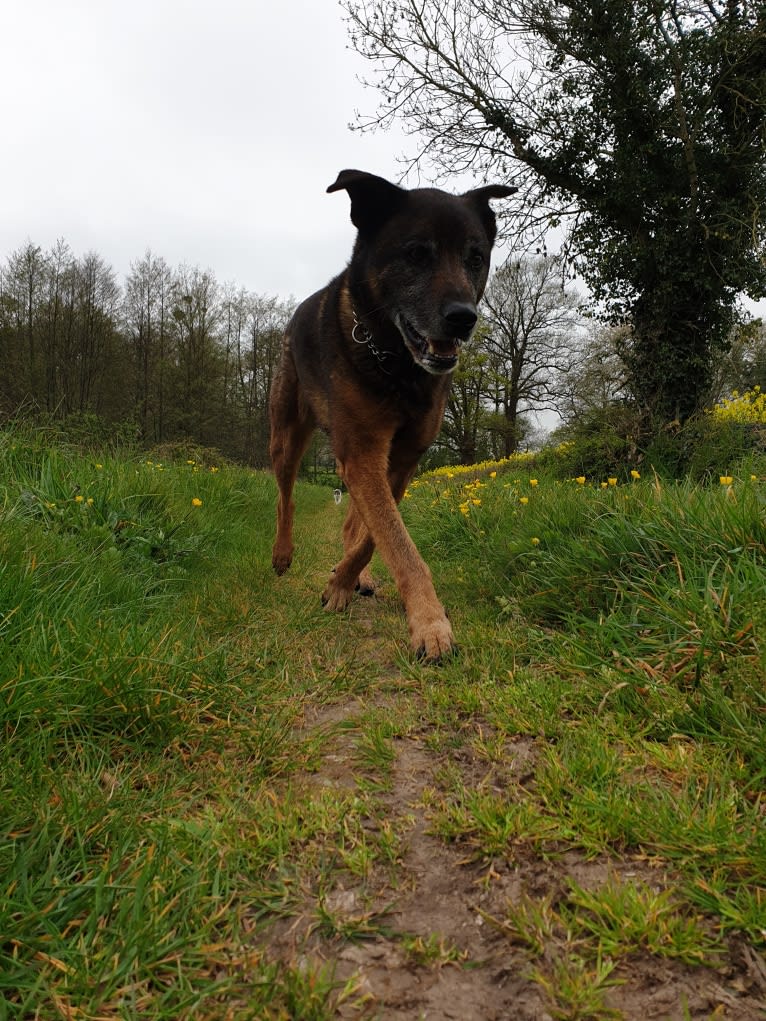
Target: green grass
column 166, row 797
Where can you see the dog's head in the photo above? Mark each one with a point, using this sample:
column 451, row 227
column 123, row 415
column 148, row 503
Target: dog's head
column 421, row 261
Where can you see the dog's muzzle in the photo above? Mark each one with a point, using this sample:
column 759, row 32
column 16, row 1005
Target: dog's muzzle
column 437, row 355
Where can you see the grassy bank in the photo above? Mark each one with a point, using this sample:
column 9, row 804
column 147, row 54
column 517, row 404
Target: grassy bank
column 197, row 760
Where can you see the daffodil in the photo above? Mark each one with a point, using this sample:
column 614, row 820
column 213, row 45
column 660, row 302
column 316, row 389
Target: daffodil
column 612, row 481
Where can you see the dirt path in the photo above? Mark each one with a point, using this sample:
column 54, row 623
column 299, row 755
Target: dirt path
column 420, row 936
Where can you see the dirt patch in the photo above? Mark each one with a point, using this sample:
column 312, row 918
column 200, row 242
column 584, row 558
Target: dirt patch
column 424, row 944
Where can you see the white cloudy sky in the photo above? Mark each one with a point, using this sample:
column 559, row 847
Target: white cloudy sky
column 206, row 131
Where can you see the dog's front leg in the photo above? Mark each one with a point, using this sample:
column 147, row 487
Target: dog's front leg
column 367, row 479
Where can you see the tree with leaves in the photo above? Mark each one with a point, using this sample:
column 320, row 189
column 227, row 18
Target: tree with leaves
column 639, row 127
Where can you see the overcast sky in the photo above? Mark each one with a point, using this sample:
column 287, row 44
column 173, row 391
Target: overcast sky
column 206, row 131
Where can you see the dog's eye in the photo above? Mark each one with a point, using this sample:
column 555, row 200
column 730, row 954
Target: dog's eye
column 418, row 254
column 474, row 260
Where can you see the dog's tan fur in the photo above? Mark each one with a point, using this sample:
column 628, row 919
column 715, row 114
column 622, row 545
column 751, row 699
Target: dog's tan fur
column 368, row 360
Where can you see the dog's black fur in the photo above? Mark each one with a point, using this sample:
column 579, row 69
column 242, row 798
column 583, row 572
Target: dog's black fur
column 368, row 359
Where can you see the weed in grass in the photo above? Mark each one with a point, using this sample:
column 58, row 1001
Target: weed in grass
column 528, row 922
column 432, row 951
column 375, row 751
column 493, row 824
column 576, row 989
column 622, row 917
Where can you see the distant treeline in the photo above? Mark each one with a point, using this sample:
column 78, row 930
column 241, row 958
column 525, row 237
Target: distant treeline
column 173, row 353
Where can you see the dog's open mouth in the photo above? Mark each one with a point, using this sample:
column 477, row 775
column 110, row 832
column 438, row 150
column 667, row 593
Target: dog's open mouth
column 423, row 351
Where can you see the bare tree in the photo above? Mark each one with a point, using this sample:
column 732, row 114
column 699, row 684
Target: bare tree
column 146, row 312
column 533, row 323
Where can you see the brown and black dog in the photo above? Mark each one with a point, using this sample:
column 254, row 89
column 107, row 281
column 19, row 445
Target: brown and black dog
column 368, row 360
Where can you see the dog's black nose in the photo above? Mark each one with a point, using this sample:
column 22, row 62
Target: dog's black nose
column 460, row 316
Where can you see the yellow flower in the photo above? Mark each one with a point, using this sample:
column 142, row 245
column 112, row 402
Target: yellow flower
column 523, row 499
column 580, row 480
column 89, row 501
column 407, row 494
column 79, row 498
column 99, row 465
column 533, row 482
column 213, row 469
column 196, row 502
column 191, row 462
column 476, row 502
column 753, row 478
column 464, row 508
column 634, row 474
column 725, row 480
column 604, row 485
column 493, row 475
column 612, row 482
column 535, row 541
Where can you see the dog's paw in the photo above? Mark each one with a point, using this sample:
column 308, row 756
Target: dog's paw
column 433, row 641
column 365, row 586
column 281, row 561
column 335, row 597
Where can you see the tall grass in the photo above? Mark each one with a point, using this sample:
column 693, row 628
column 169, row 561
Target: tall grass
column 633, row 619
column 119, row 868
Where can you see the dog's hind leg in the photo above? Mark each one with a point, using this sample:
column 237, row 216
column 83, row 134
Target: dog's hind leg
column 354, row 530
column 353, row 573
column 290, row 433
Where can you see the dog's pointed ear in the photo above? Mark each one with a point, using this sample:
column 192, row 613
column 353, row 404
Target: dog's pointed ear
column 479, row 198
column 373, row 199
column 490, row 191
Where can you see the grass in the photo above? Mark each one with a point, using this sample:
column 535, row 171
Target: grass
column 166, row 798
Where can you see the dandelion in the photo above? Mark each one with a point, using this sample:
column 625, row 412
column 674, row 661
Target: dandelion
column 213, row 469
column 753, row 478
column 196, row 502
column 533, row 482
column 725, row 480
column 634, row 474
column 612, row 481
column 535, row 541
column 99, row 465
column 191, row 462
column 407, row 494
column 523, row 499
column 89, row 501
column 79, row 498
column 493, row 475
column 580, row 480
